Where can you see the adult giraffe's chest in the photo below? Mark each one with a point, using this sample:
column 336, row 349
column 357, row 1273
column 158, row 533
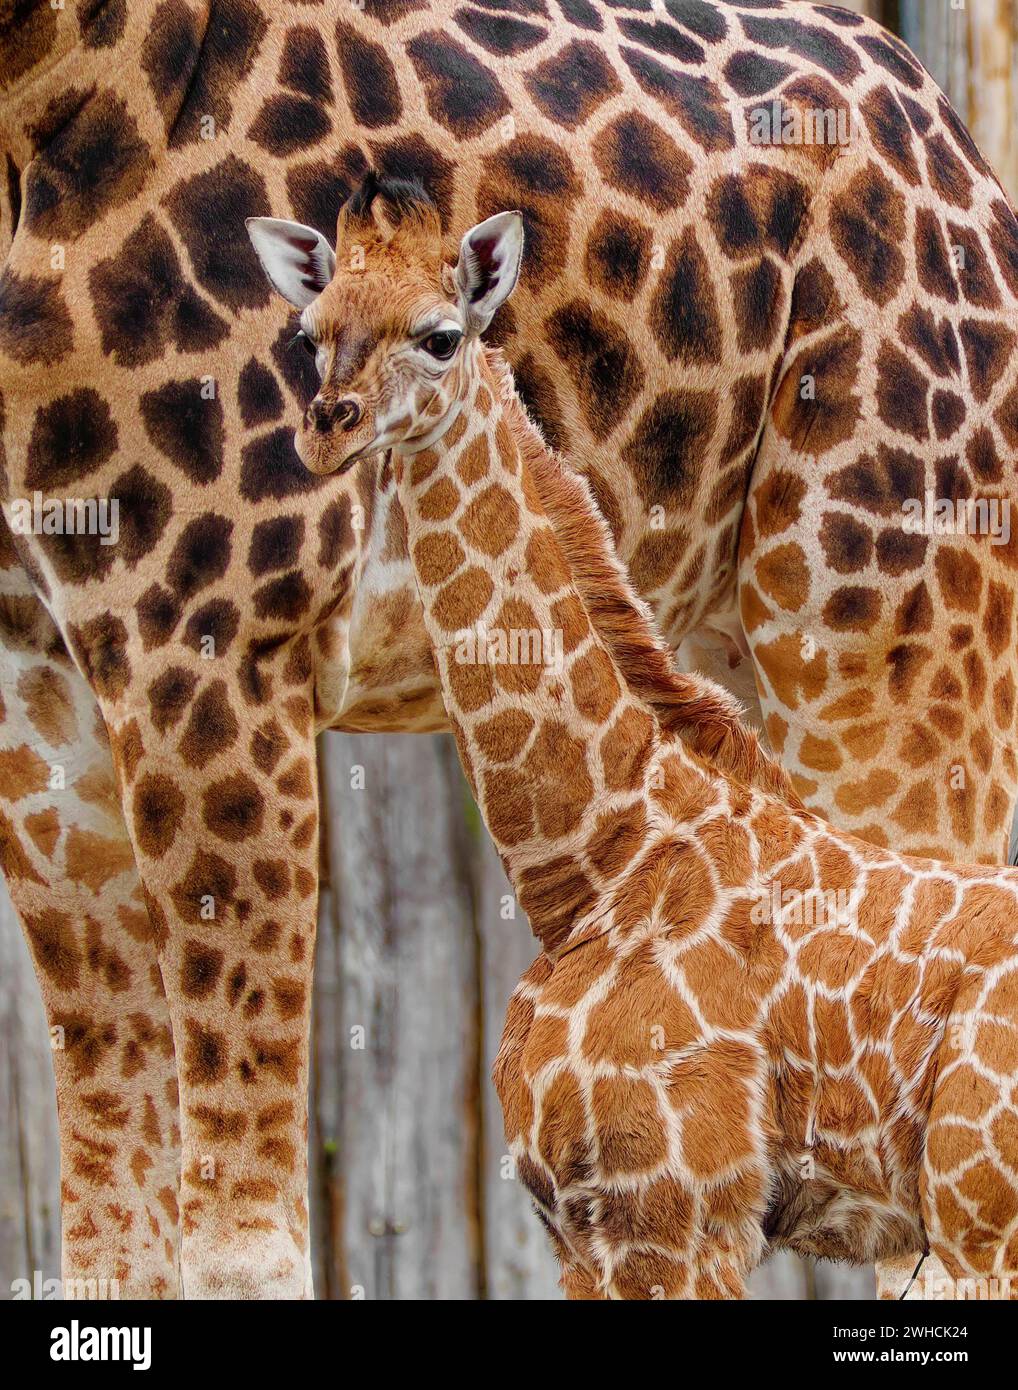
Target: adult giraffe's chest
column 644, row 336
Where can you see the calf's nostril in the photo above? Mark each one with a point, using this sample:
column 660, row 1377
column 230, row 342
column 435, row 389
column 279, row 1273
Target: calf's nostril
column 317, row 417
column 348, row 413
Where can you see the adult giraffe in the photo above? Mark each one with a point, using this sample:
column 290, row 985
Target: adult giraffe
column 769, row 341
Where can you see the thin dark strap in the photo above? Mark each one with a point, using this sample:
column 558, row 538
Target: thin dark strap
column 915, row 1275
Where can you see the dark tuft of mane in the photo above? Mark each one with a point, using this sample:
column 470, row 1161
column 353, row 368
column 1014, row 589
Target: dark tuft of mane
column 402, row 197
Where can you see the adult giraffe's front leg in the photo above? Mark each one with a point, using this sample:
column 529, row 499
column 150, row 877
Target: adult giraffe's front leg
column 70, row 869
column 219, row 790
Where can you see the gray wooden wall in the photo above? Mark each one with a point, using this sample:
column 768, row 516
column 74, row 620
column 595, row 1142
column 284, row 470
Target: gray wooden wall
column 416, row 957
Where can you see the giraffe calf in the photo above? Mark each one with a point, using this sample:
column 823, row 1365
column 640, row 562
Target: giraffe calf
column 746, row 1029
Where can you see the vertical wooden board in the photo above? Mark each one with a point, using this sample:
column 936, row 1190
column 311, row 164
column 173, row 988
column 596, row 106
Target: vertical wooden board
column 839, row 1283
column 938, row 34
column 405, row 1058
column 992, row 92
column 781, row 1276
column 29, row 1145
column 519, row 1263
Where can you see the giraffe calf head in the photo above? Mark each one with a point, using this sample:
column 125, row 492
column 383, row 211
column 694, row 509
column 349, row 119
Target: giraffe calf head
column 389, row 321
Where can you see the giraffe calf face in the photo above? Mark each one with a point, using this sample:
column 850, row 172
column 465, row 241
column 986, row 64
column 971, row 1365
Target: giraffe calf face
column 389, row 322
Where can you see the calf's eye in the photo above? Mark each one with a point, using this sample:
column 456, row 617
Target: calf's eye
column 442, row 344
column 308, row 344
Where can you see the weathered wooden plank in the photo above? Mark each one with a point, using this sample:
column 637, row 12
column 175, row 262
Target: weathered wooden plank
column 29, row 1153
column 781, row 1276
column 873, row 8
column 938, row 34
column 403, row 1065
column 993, row 85
column 841, row 1282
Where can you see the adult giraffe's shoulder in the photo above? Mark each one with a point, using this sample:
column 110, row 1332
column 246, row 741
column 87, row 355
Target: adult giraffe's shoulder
column 756, row 350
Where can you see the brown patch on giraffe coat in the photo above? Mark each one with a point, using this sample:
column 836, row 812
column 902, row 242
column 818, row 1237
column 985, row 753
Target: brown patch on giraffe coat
column 491, row 521
column 437, row 556
column 616, row 838
column 724, row 1071
column 22, row 772
column 853, row 608
column 959, row 577
column 297, row 780
column 598, row 353
column 461, row 93
column 684, row 316
column 784, row 574
column 636, row 156
column 559, row 800
column 461, row 602
column 570, row 86
column 169, row 696
column 595, row 686
column 35, row 324
column 778, row 502
column 902, row 394
column 626, row 748
column 158, row 813
column 758, row 299
column 146, row 272
column 828, row 414
column 212, row 726
column 200, row 970
column 210, row 881
column 934, row 269
column 555, row 895
column 788, row 671
column 51, row 938
column 668, row 443
column 96, row 162
column 272, row 877
column 630, row 1135
column 503, row 737
column 868, row 228
column 43, row 829
column 560, row 1139
column 206, row 1054
column 233, row 808
column 694, row 101
column 93, row 859
column 72, row 437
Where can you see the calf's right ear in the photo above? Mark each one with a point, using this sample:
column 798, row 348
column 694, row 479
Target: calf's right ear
column 298, row 261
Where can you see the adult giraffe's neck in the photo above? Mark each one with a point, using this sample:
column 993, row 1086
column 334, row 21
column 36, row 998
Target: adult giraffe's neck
column 557, row 689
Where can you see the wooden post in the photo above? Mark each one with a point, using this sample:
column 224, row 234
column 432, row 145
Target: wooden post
column 867, row 7
column 396, row 1028
column 29, row 1148
column 993, row 85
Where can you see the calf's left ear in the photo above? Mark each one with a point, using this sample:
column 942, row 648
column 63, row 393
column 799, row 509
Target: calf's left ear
column 489, row 266
column 298, row 260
